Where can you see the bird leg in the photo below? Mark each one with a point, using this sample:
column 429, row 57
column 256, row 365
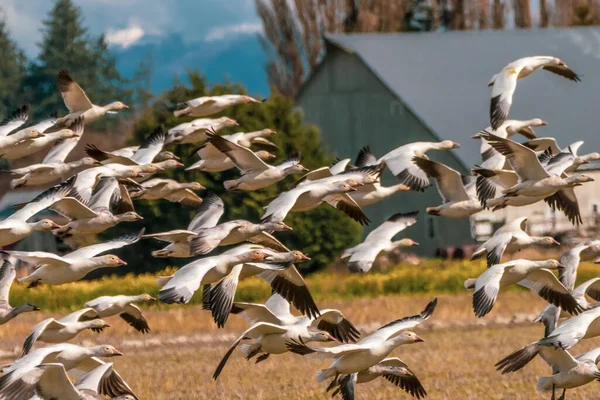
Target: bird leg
column 562, row 397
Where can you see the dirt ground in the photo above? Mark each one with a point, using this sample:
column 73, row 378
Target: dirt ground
column 177, row 359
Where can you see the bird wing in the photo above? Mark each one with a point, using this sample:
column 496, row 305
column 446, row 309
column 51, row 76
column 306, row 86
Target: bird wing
column 208, row 239
column 134, row 317
column 254, row 332
column 179, row 235
column 244, row 159
column 337, row 325
column 406, row 171
column 592, row 355
column 496, row 246
column 150, row 146
column 61, row 149
column 209, row 213
column 563, row 71
column 107, row 158
column 565, row 200
column 570, row 260
column 590, row 287
column 105, row 194
column 7, row 276
column 315, row 174
column 85, row 314
column 73, row 95
column 186, row 197
column 522, row 160
column 547, row 286
column 390, row 228
column 447, row 180
column 95, row 249
column 394, row 327
column 92, row 380
column 14, row 120
column 54, row 383
column 542, row 144
column 254, row 313
column 278, row 209
column 517, row 224
column 267, row 240
column 180, row 288
column 40, row 258
column 37, row 331
column 111, row 384
column 487, row 287
column 43, row 200
column 557, row 358
column 503, row 88
column 291, row 286
column 72, row 208
column 347, row 205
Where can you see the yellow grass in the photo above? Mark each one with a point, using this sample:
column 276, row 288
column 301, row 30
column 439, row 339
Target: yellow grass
column 430, row 276
column 177, row 359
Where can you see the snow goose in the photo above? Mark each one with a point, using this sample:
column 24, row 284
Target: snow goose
column 504, row 83
column 57, row 270
column 181, row 286
column 212, row 160
column 370, row 350
column 549, row 143
column 460, row 200
column 399, row 161
column 107, row 306
column 7, row 276
column 362, row 256
column 145, row 153
column 16, row 227
column 208, row 105
column 209, row 213
column 570, row 260
column 195, row 131
column 534, row 275
column 15, row 120
column 31, row 146
column 218, row 297
column 62, row 330
column 490, row 157
column 41, row 174
column 156, row 189
column 271, row 339
column 373, row 193
column 231, row 232
column 96, row 217
column 534, row 179
column 256, row 174
column 583, row 326
column 222, row 273
column 71, row 356
column 392, row 369
column 50, row 381
column 24, row 137
column 510, row 238
column 78, row 103
column 276, row 310
column 308, row 196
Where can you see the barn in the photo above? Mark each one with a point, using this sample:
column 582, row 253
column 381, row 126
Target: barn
column 386, row 90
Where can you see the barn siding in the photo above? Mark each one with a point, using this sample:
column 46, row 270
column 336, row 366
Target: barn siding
column 353, row 109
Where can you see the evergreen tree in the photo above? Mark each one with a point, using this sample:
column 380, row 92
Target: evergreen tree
column 322, row 233
column 12, row 73
column 66, row 44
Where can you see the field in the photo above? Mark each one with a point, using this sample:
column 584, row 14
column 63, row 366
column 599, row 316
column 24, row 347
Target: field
column 176, row 360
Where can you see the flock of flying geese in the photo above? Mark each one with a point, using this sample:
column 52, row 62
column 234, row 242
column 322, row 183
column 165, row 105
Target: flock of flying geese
column 97, row 193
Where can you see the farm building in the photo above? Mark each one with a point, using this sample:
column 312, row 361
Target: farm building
column 386, row 90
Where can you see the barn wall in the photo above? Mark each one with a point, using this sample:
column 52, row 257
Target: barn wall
column 353, row 109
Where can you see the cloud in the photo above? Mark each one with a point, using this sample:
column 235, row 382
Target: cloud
column 124, row 37
column 221, row 32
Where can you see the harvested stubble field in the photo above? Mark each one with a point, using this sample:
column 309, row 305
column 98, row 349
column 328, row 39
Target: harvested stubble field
column 177, row 359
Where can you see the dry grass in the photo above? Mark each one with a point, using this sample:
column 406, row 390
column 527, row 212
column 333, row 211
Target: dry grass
column 177, row 359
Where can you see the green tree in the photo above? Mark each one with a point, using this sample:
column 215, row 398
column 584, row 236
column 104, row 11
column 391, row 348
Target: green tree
column 67, row 44
column 12, row 72
column 322, row 233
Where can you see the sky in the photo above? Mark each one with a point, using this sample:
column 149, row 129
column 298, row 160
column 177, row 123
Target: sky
column 126, row 22
column 207, row 32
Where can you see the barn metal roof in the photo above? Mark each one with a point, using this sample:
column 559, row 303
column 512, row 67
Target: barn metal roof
column 442, row 78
